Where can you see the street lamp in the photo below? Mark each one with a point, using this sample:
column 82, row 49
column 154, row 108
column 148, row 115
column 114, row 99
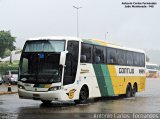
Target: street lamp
column 106, row 36
column 77, row 19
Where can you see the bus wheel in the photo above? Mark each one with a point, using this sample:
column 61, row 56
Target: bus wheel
column 46, row 102
column 134, row 90
column 128, row 91
column 83, row 97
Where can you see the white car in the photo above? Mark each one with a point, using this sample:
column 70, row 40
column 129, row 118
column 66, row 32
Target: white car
column 11, row 76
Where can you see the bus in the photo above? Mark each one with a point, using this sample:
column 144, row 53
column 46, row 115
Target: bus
column 75, row 69
column 152, row 70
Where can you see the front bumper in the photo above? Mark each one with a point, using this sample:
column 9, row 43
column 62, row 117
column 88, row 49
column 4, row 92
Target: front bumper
column 49, row 95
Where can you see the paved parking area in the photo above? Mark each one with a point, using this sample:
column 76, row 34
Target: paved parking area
column 4, row 88
column 145, row 102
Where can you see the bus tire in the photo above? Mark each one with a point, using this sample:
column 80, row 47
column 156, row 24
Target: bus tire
column 134, row 90
column 128, row 91
column 46, row 102
column 83, row 96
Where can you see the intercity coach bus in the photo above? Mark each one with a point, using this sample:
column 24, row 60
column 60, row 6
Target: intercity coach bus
column 152, row 70
column 75, row 69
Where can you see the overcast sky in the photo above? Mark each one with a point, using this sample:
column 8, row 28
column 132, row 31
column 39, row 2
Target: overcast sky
column 131, row 27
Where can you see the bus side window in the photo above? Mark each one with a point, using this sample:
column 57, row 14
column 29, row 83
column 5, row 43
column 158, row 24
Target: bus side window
column 86, row 53
column 121, row 57
column 99, row 57
column 25, row 65
column 136, row 59
column 142, row 60
column 129, row 58
column 111, row 56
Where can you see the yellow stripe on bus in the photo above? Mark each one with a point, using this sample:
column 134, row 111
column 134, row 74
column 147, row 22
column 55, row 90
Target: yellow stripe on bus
column 100, row 42
column 47, row 86
column 113, row 76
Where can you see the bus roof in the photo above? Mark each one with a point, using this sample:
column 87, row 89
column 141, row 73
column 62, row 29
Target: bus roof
column 55, row 38
column 104, row 43
column 90, row 41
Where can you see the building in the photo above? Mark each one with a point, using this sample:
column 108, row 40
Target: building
column 15, row 56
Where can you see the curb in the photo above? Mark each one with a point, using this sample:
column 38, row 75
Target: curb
column 2, row 93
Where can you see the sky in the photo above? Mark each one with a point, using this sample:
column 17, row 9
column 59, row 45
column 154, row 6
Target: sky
column 101, row 19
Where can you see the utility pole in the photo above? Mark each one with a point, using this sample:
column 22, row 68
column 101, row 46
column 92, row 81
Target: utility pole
column 106, row 36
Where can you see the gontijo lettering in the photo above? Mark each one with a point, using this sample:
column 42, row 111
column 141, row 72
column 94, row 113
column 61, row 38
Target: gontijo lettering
column 126, row 70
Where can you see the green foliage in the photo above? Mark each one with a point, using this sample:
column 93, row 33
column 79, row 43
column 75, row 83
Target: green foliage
column 6, row 42
column 7, row 66
column 7, row 52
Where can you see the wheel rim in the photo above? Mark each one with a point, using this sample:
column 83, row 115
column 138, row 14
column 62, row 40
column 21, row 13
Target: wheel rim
column 134, row 91
column 83, row 95
column 128, row 91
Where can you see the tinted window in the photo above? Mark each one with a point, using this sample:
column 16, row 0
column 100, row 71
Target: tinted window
column 136, row 59
column 111, row 56
column 129, row 60
column 86, row 51
column 121, row 57
column 142, row 60
column 71, row 62
column 44, row 46
column 99, row 54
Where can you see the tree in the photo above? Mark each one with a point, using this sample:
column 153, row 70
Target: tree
column 6, row 42
column 7, row 52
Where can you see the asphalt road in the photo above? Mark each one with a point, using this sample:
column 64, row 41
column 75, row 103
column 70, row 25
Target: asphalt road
column 144, row 102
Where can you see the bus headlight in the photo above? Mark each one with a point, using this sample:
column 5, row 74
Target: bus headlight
column 54, row 88
column 21, row 87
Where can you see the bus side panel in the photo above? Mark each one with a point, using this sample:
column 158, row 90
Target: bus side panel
column 142, row 84
column 108, row 81
column 87, row 76
column 114, row 79
column 120, row 81
column 103, row 79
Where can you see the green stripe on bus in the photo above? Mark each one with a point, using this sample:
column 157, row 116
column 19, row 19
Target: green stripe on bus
column 100, row 79
column 103, row 79
column 108, row 81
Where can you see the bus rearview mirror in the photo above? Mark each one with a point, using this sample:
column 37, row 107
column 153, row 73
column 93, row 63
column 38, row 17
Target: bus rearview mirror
column 63, row 58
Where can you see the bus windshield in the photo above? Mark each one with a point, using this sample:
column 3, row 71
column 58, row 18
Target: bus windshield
column 154, row 67
column 44, row 46
column 40, row 61
column 40, row 67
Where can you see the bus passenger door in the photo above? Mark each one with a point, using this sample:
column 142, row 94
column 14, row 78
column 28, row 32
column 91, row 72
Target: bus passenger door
column 71, row 65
